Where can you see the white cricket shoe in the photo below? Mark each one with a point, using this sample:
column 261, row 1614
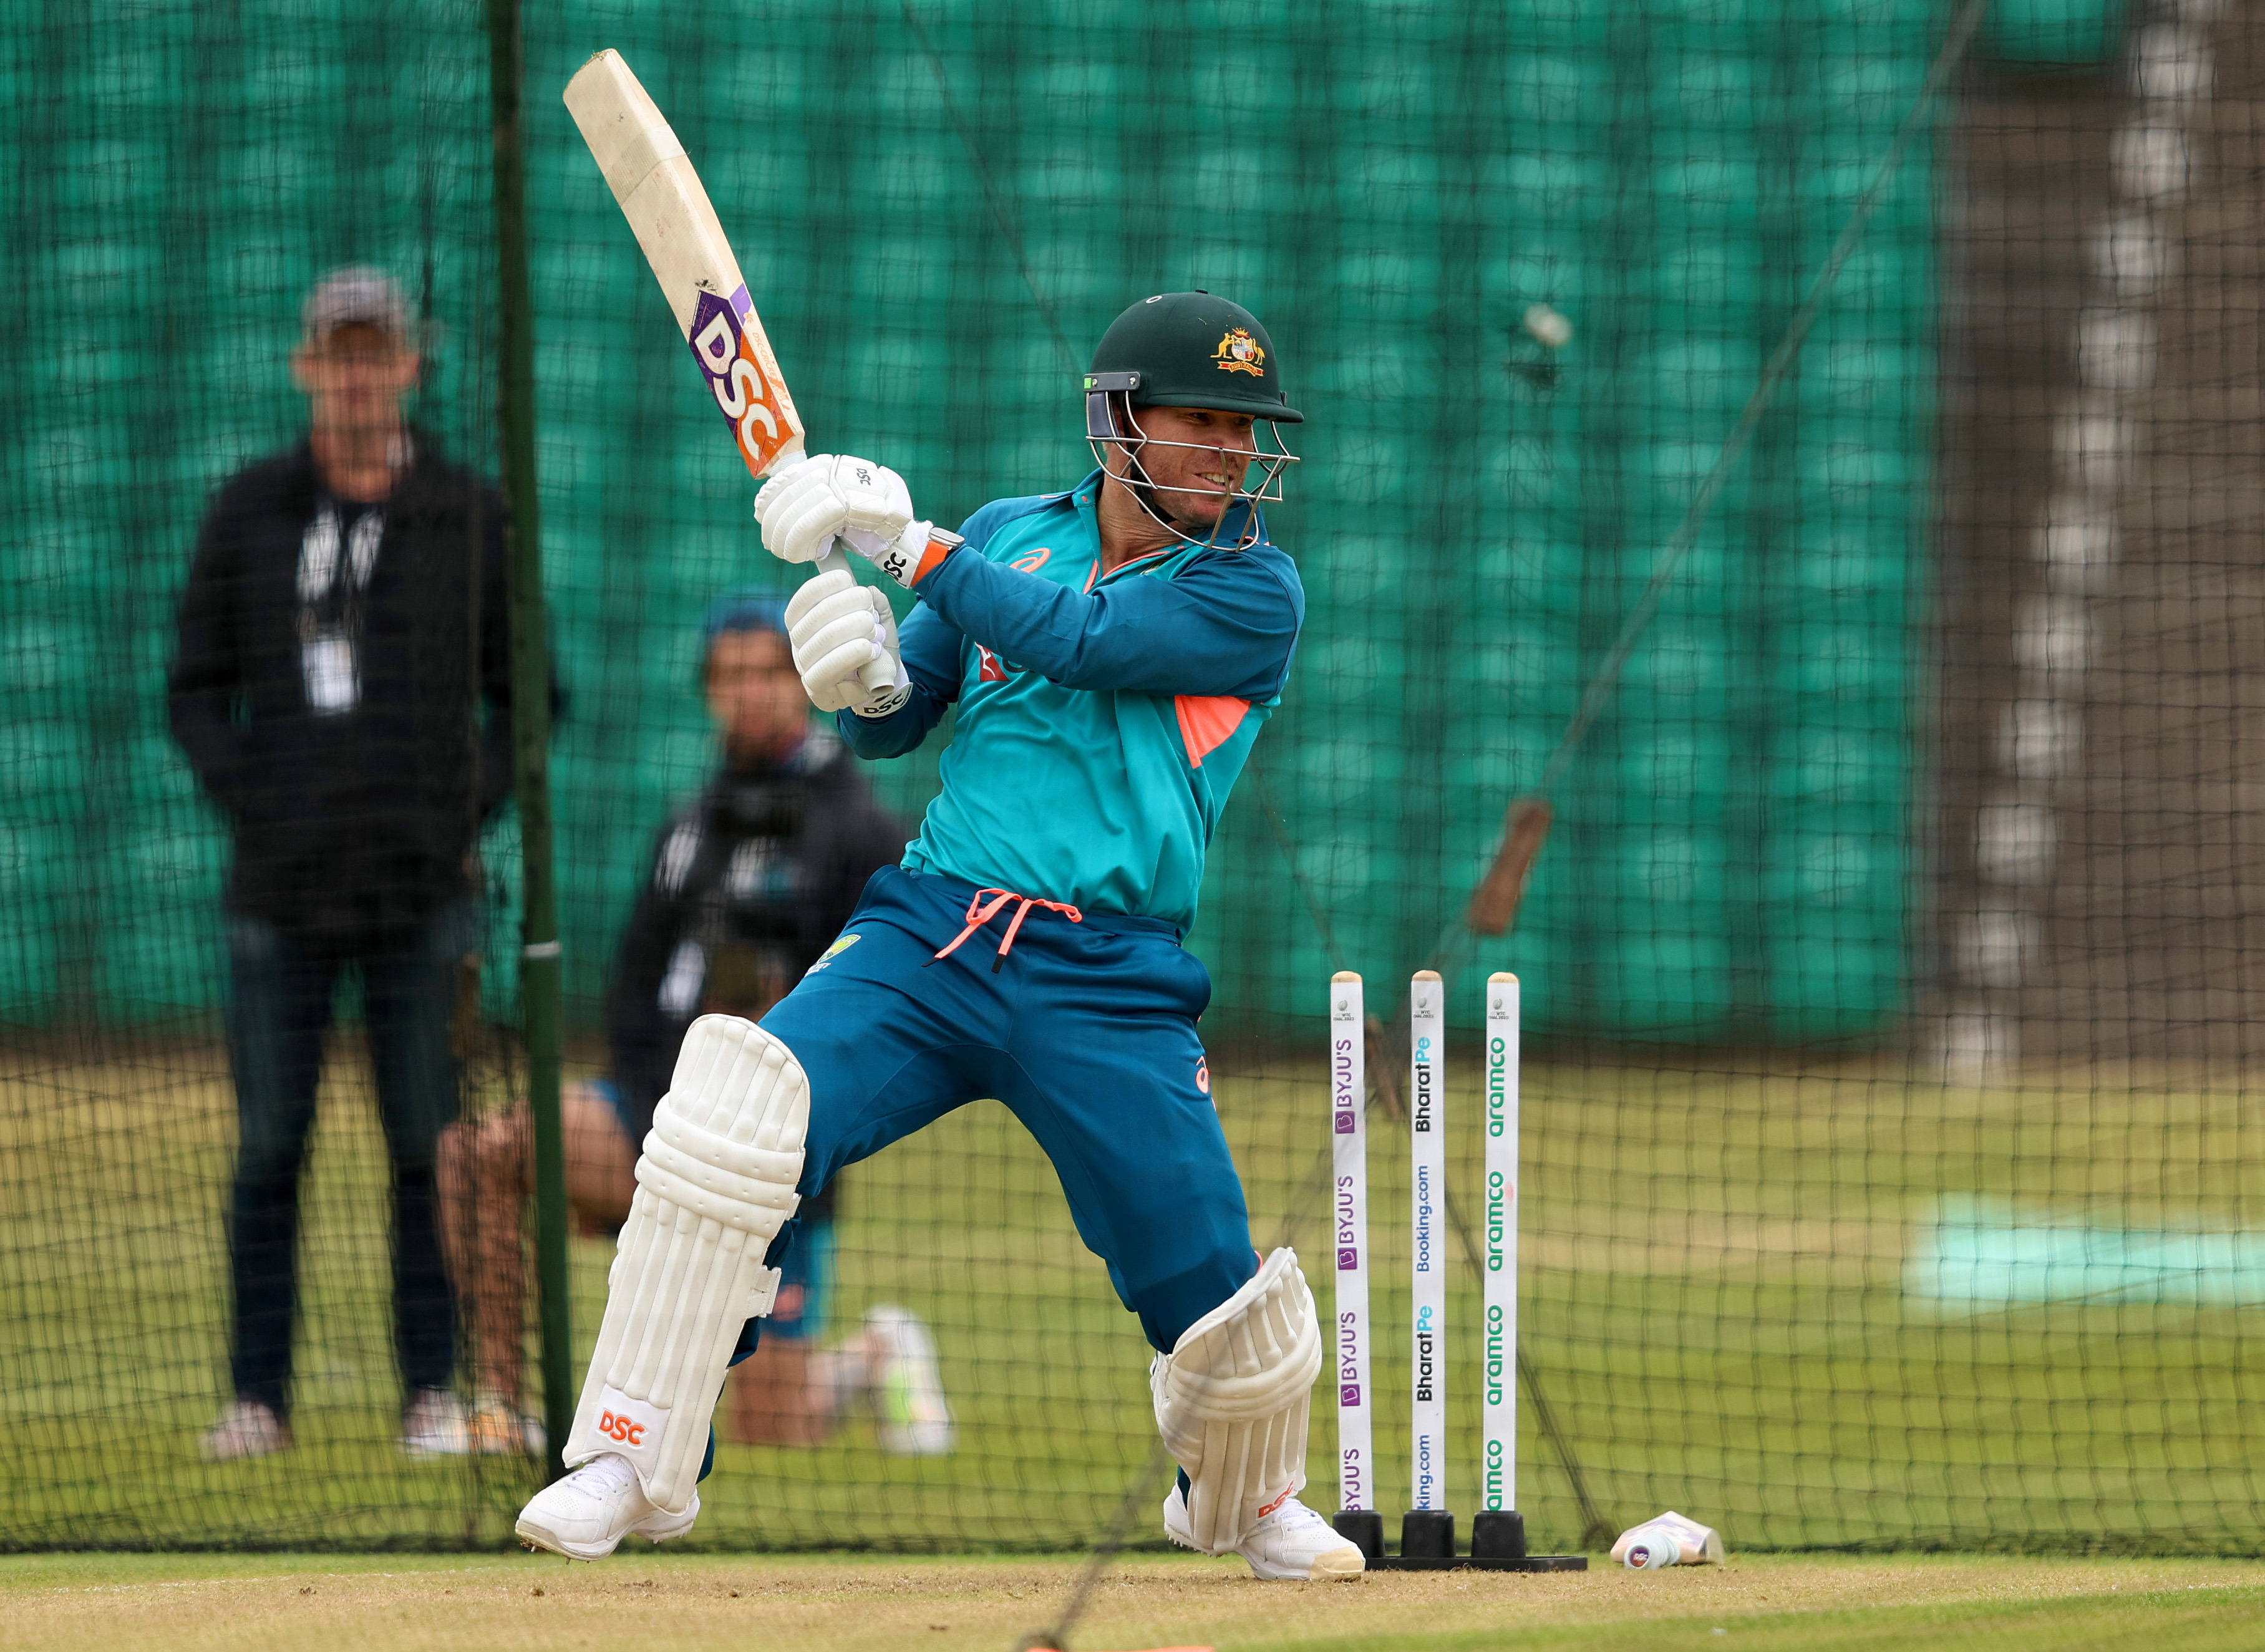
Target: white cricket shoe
column 913, row 1418
column 586, row 1514
column 1293, row 1542
column 248, row 1428
column 434, row 1424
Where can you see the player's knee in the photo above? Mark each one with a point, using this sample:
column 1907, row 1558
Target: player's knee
column 1232, row 1397
column 1167, row 1306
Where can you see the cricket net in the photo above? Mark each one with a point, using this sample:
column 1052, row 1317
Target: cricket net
column 1890, row 1160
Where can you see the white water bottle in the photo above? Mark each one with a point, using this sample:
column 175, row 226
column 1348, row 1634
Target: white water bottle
column 1650, row 1547
column 1669, row 1540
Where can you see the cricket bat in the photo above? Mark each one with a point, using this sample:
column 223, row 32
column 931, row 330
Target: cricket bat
column 668, row 210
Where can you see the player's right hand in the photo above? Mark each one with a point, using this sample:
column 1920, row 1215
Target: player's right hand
column 808, row 505
column 844, row 640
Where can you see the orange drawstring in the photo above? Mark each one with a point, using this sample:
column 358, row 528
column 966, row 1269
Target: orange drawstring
column 979, row 914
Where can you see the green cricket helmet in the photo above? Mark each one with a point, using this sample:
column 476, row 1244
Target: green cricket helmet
column 1193, row 350
column 1187, row 349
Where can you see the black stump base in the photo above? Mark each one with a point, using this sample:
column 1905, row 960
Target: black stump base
column 1427, row 1543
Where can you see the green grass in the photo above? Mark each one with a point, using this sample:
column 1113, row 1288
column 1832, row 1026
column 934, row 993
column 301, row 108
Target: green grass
column 288, row 1603
column 1713, row 1265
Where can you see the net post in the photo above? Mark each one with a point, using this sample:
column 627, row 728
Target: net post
column 1357, row 1518
column 1428, row 1528
column 530, row 680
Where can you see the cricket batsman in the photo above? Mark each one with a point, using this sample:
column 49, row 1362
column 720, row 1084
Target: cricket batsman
column 1112, row 650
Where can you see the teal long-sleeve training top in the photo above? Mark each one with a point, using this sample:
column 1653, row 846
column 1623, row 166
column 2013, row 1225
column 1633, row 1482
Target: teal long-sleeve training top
column 1102, row 718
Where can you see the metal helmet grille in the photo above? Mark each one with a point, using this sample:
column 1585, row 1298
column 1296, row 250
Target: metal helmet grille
column 1111, row 423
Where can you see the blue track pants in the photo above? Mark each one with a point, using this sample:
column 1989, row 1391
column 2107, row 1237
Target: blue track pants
column 1085, row 1031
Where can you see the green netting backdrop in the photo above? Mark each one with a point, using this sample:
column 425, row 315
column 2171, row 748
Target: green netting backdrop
column 1392, row 201
column 938, row 207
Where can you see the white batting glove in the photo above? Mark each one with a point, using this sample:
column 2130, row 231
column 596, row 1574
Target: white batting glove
column 807, row 506
column 844, row 640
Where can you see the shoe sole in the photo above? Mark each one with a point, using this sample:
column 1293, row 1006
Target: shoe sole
column 1268, row 1572
column 1318, row 1573
column 535, row 1537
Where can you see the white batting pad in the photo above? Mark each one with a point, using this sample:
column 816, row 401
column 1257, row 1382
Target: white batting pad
column 715, row 1184
column 1233, row 1398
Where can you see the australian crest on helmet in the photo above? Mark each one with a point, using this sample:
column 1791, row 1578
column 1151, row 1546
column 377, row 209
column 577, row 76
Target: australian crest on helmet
column 1239, row 353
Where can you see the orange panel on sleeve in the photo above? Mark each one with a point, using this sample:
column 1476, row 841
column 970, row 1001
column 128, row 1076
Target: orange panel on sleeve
column 1206, row 720
column 931, row 559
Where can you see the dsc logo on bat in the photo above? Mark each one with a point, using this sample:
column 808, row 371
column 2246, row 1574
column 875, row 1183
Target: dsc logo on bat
column 743, row 393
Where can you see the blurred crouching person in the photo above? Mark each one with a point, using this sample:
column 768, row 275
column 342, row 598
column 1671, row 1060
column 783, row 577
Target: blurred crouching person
column 344, row 621
column 749, row 886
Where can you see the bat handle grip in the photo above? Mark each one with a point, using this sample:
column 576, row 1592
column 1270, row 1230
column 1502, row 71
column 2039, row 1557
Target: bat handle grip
column 836, row 553
column 882, row 673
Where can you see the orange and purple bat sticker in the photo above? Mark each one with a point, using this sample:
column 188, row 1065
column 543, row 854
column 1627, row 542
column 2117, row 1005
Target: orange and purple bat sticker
column 728, row 343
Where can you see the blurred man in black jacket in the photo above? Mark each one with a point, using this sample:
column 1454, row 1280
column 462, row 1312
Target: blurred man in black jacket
column 749, row 883
column 345, row 617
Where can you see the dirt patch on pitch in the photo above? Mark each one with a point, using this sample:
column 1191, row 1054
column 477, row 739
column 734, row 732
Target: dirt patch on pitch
column 694, row 1603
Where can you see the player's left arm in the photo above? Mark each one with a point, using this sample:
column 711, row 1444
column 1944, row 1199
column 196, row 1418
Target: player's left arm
column 1225, row 625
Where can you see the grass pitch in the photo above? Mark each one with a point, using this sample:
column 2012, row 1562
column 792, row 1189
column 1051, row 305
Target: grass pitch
column 697, row 1604
column 1713, row 1272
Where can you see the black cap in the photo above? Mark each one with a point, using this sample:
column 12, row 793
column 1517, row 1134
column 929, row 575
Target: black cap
column 1193, row 350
